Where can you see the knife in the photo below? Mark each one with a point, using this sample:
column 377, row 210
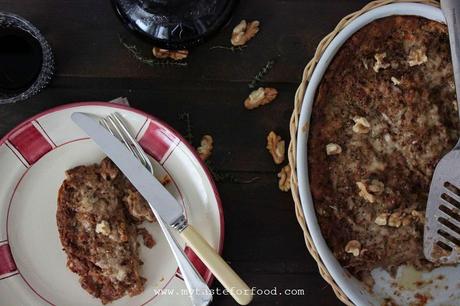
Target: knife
column 165, row 204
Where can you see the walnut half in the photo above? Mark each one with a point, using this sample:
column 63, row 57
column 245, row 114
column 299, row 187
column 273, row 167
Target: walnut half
column 364, row 193
column 353, row 247
column 362, row 126
column 395, row 219
column 103, row 227
column 333, row 149
column 418, row 216
column 276, row 147
column 395, row 81
column 284, row 175
column 244, row 31
column 417, row 57
column 175, row 55
column 379, row 62
column 382, row 219
column 205, row 149
column 260, row 97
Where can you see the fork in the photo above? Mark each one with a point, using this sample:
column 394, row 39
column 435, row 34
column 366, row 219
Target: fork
column 199, row 291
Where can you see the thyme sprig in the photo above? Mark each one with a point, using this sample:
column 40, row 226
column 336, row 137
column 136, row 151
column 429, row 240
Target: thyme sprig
column 257, row 79
column 150, row 61
column 223, row 177
column 188, row 126
column 230, row 48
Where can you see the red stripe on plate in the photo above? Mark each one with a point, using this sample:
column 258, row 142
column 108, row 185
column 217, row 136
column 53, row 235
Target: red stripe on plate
column 30, row 143
column 7, row 264
column 197, row 263
column 157, row 141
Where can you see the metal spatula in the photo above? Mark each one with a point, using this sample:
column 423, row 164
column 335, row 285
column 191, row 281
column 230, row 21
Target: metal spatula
column 441, row 240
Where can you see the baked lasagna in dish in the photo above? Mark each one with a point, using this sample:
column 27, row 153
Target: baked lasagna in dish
column 384, row 114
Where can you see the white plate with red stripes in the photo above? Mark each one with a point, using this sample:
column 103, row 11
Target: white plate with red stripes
column 33, row 159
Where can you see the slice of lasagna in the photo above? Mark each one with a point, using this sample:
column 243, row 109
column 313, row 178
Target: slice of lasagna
column 97, row 216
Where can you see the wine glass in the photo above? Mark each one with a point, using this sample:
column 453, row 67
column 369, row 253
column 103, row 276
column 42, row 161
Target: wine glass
column 26, row 60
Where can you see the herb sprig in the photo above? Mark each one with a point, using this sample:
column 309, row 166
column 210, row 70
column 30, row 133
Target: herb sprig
column 257, row 79
column 188, row 126
column 231, row 48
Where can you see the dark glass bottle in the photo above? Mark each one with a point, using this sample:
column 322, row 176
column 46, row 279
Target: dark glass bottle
column 174, row 24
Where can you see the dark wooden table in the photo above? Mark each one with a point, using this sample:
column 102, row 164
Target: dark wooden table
column 263, row 241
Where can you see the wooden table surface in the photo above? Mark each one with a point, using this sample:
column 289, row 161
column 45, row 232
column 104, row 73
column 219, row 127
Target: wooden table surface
column 263, row 241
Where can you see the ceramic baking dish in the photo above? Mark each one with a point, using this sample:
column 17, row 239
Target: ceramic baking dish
column 441, row 285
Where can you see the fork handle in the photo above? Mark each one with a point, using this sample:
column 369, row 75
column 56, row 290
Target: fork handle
column 199, row 291
column 221, row 270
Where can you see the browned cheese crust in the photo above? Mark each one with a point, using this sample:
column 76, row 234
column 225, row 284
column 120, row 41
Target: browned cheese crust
column 97, row 213
column 396, row 73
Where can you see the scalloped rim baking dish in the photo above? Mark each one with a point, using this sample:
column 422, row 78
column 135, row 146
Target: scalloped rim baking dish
column 353, row 288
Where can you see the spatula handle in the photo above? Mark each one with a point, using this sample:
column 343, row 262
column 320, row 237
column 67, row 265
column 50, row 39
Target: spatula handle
column 221, row 270
column 451, row 10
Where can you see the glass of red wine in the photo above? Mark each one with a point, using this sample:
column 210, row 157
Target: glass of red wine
column 26, row 60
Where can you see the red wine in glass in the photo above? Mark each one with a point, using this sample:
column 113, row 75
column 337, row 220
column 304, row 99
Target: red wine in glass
column 26, row 62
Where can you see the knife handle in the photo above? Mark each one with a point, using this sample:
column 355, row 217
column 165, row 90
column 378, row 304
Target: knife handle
column 221, row 270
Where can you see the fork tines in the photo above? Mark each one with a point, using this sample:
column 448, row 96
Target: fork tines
column 115, row 125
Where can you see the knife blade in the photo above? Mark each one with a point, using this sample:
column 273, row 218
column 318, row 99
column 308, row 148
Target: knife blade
column 151, row 189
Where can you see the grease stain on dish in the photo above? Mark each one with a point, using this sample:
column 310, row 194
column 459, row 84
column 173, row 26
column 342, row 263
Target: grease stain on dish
column 408, row 278
column 409, row 285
